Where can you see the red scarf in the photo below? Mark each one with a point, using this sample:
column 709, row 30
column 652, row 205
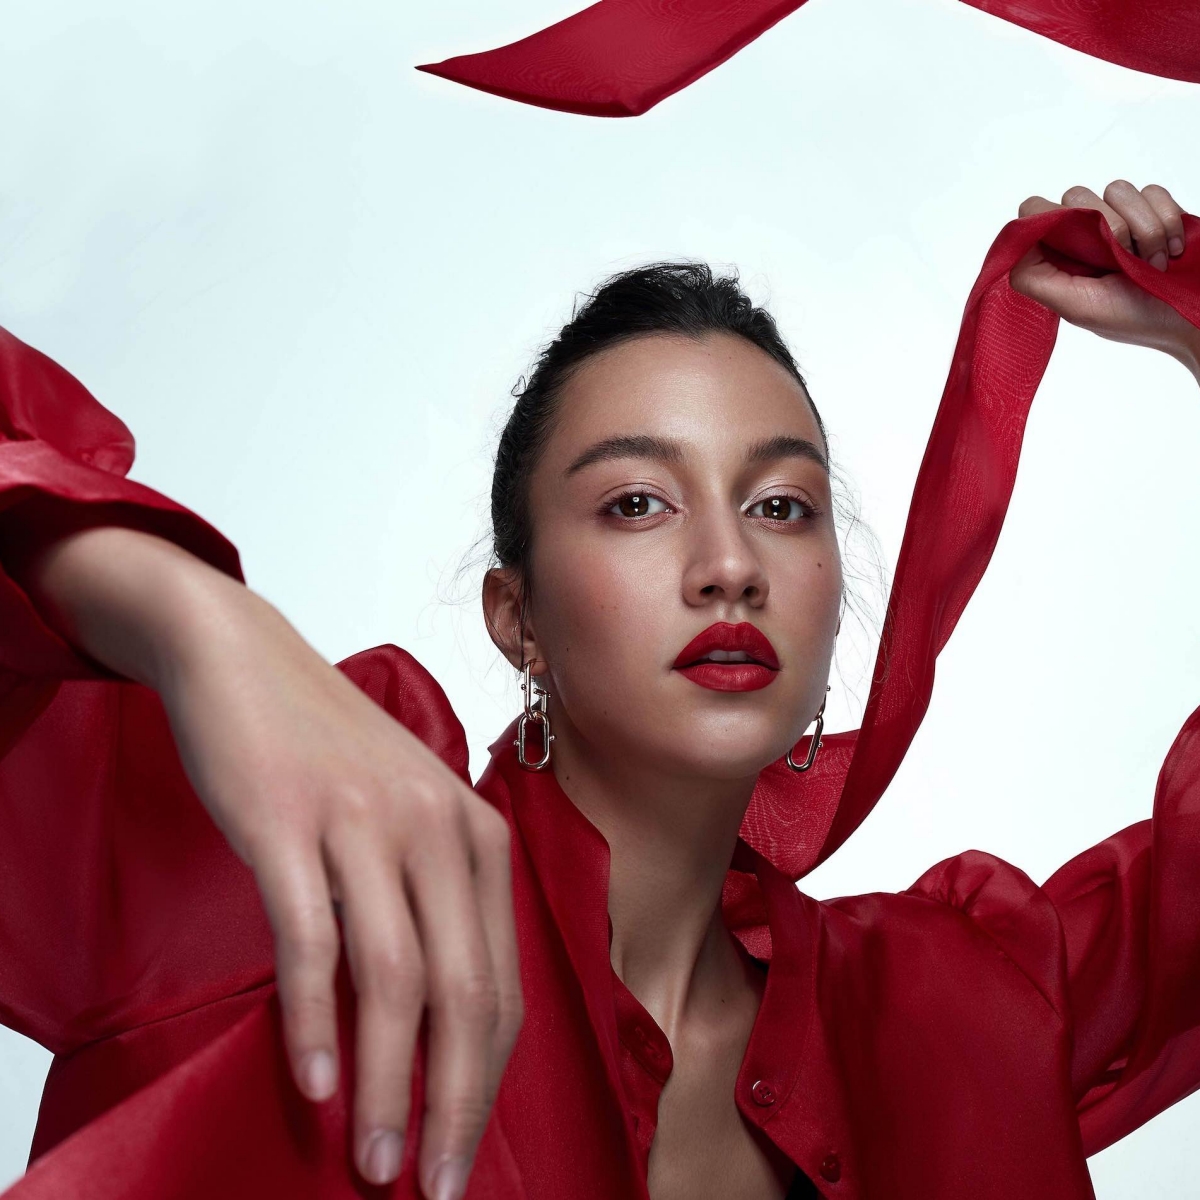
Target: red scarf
column 619, row 58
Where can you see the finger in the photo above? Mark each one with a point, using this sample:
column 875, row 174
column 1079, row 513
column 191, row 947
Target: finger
column 1034, row 205
column 388, row 970
column 295, row 894
column 1169, row 213
column 1082, row 197
column 1144, row 222
column 463, row 1002
column 492, row 844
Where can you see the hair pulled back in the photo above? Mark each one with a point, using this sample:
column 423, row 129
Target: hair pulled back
column 683, row 298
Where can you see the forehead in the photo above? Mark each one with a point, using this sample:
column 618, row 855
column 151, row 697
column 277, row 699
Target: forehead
column 698, row 390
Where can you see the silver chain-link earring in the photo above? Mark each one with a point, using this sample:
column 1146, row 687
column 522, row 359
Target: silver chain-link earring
column 815, row 744
column 535, row 711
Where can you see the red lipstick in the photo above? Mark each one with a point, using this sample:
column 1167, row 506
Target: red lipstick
column 755, row 665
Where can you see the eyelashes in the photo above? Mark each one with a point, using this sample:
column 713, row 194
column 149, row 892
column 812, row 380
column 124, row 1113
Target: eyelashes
column 782, row 508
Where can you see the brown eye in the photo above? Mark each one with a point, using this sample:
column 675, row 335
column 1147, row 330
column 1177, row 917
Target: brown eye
column 781, row 508
column 633, row 504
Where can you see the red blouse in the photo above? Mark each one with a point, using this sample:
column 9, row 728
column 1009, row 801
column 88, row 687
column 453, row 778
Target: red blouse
column 973, row 1035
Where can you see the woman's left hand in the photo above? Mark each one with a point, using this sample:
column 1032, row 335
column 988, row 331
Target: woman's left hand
column 1148, row 223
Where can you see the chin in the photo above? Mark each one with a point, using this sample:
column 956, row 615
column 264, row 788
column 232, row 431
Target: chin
column 733, row 751
column 688, row 736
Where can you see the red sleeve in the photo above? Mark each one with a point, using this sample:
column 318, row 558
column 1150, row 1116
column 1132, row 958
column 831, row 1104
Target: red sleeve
column 97, row 820
column 63, row 460
column 1130, row 914
column 1112, row 941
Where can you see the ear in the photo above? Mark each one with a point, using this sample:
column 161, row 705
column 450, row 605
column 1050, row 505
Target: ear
column 502, row 596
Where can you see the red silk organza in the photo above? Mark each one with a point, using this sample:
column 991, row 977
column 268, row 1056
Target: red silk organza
column 974, row 1035
column 619, row 58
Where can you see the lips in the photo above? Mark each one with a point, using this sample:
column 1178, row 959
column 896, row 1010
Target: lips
column 757, row 667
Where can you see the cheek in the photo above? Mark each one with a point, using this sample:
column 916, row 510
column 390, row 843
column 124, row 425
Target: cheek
column 805, row 596
column 603, row 612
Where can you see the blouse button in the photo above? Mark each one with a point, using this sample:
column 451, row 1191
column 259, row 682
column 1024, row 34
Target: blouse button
column 763, row 1093
column 831, row 1168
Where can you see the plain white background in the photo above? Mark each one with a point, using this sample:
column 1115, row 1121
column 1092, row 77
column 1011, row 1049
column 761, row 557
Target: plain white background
column 307, row 276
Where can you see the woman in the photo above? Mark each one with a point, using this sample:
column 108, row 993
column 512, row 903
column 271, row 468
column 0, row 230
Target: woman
column 680, row 1020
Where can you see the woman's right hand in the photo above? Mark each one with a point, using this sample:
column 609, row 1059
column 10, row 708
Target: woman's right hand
column 331, row 803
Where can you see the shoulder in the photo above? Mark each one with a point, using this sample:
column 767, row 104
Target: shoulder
column 407, row 691
column 973, row 914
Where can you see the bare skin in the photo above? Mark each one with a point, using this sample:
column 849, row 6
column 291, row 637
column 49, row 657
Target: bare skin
column 328, row 799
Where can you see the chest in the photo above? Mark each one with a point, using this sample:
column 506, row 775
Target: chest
column 702, row 1146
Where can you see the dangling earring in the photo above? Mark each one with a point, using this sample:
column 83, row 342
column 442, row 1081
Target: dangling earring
column 815, row 744
column 535, row 711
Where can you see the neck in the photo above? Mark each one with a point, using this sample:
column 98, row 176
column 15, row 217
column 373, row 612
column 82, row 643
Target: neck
column 671, row 840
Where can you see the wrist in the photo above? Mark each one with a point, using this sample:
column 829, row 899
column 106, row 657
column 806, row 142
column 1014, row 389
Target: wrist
column 194, row 611
column 1188, row 352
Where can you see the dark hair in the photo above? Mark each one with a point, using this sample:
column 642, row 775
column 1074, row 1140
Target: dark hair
column 681, row 298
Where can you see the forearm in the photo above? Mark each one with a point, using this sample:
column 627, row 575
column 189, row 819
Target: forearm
column 131, row 600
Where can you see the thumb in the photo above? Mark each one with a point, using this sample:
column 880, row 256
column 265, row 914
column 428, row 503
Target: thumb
column 1034, row 276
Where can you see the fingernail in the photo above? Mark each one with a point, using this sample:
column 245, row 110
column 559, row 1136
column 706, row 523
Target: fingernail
column 1175, row 245
column 1158, row 260
column 383, row 1155
column 450, row 1179
column 320, row 1075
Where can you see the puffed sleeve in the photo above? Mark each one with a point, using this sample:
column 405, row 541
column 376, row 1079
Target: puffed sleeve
column 99, row 829
column 64, row 460
column 1130, row 913
column 1112, row 941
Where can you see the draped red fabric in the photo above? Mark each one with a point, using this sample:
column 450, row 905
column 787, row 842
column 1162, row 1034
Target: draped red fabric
column 618, row 58
column 954, row 519
column 975, row 1034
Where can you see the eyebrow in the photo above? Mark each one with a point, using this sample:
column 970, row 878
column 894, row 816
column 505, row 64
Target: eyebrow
column 661, row 449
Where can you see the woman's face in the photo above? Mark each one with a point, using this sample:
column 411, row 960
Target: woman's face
column 683, row 486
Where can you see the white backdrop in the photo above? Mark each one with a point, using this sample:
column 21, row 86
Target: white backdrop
column 307, row 276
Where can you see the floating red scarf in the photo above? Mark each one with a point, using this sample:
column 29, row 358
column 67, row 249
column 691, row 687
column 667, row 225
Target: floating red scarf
column 619, row 58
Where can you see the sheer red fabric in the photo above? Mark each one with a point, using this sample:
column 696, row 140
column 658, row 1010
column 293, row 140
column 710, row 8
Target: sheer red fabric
column 618, row 58
column 974, row 1034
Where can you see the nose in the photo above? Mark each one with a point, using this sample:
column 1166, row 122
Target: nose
column 724, row 565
